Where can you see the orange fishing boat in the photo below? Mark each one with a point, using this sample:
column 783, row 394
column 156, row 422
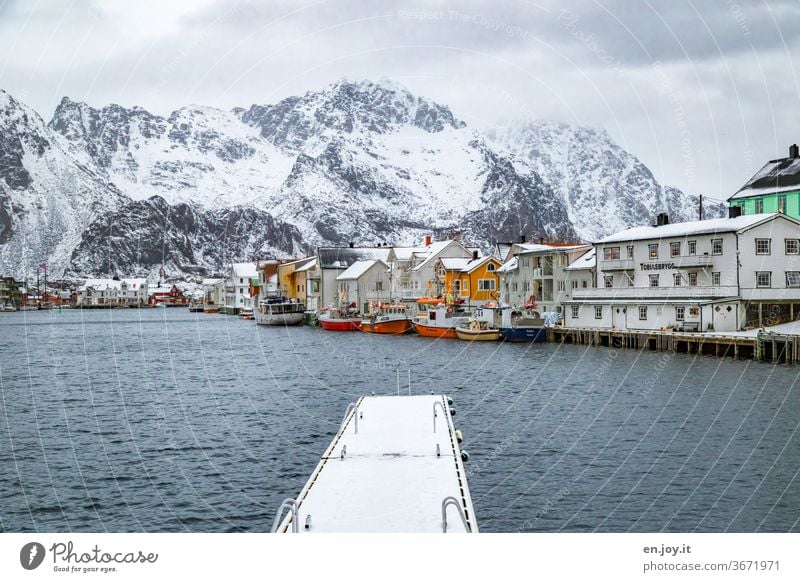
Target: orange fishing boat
column 437, row 319
column 390, row 319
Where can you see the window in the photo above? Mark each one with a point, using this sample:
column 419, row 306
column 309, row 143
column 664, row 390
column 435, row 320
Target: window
column 692, row 244
column 692, row 279
column 527, row 286
column 675, row 249
column 583, row 284
column 526, row 262
column 793, row 278
column 629, row 278
column 782, row 204
column 643, row 312
column 378, row 286
column 680, row 312
column 792, row 246
column 715, row 279
column 763, row 279
column 486, row 284
column 630, row 251
column 759, row 206
column 676, row 279
column 490, row 267
column 652, row 251
column 575, row 310
column 763, row 246
column 608, row 281
column 654, row 280
column 562, row 285
column 716, row 246
column 610, row 253
column 598, row 312
column 574, row 284
column 514, row 286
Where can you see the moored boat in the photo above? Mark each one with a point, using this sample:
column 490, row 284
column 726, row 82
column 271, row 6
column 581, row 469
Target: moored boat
column 210, row 308
column 246, row 313
column 477, row 330
column 195, row 307
column 389, row 319
column 279, row 311
column 519, row 326
column 333, row 319
column 439, row 319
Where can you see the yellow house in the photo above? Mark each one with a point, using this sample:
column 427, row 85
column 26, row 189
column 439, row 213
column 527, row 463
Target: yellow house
column 473, row 280
column 292, row 283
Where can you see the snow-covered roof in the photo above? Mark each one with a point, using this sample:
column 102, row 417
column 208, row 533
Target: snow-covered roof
column 432, row 251
column 358, row 268
column 407, row 253
column 584, row 262
column 101, row 284
column 244, row 270
column 536, row 248
column 212, row 282
column 452, row 264
column 775, row 176
column 503, row 249
column 509, row 266
column 136, row 283
column 696, row 227
column 310, row 264
column 475, row 263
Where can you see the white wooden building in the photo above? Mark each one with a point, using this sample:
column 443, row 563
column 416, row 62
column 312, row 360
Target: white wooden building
column 722, row 274
column 364, row 282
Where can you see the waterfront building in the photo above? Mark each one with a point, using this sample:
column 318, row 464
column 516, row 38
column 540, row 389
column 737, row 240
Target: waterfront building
column 472, row 280
column 309, row 275
column 774, row 188
column 237, row 286
column 723, row 274
column 133, row 292
column 113, row 292
column 333, row 261
column 413, row 269
column 213, row 291
column 9, row 292
column 538, row 275
column 292, row 282
column 364, row 283
column 168, row 295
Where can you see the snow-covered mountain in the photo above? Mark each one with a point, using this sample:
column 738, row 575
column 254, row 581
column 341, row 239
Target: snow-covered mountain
column 354, row 162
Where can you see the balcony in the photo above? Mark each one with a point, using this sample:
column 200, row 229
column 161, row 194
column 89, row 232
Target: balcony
column 692, row 262
column 539, row 272
column 617, row 265
column 634, row 293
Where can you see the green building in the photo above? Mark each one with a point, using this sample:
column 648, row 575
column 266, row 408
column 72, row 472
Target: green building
column 774, row 188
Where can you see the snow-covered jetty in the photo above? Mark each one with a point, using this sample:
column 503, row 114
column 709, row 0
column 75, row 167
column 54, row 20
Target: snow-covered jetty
column 394, row 466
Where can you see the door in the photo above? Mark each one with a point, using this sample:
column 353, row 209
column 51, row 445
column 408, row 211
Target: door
column 618, row 316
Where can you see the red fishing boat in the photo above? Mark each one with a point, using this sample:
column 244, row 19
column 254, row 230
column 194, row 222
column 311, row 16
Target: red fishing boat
column 391, row 319
column 339, row 320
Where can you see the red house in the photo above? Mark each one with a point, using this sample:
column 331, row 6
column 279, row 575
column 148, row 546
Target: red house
column 168, row 296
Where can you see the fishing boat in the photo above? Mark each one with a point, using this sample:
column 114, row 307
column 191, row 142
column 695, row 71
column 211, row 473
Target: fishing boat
column 8, row 307
column 338, row 319
column 210, row 308
column 478, row 330
column 438, row 319
column 279, row 311
column 523, row 326
column 246, row 313
column 391, row 319
column 196, row 307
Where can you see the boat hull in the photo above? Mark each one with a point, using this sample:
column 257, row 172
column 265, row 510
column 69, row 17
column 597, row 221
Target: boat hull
column 211, row 310
column 483, row 335
column 524, row 334
column 394, row 326
column 280, row 318
column 340, row 324
column 433, row 331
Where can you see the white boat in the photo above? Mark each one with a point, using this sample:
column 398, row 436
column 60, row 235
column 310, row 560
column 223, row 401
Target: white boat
column 279, row 311
column 8, row 307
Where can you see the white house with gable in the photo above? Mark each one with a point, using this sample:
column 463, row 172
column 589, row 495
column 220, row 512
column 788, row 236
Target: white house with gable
column 364, row 282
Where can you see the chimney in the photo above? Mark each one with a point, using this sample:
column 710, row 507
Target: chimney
column 734, row 211
column 474, row 255
column 541, row 240
column 794, row 151
column 522, row 238
column 427, row 240
column 352, row 245
column 662, row 219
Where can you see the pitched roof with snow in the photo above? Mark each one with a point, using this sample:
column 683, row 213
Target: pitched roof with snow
column 358, row 268
column 454, row 264
column 775, row 176
column 343, row 257
column 101, row 284
column 536, row 248
column 244, row 270
column 584, row 262
column 681, row 229
column 431, row 252
column 509, row 266
column 310, row 263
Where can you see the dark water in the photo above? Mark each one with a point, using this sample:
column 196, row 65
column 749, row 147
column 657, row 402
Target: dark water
column 163, row 420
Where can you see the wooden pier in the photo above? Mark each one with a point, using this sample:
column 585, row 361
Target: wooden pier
column 763, row 347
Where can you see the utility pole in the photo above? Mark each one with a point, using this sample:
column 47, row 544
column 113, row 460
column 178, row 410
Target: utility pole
column 701, row 207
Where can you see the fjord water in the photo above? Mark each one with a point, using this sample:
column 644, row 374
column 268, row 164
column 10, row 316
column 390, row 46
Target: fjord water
column 165, row 420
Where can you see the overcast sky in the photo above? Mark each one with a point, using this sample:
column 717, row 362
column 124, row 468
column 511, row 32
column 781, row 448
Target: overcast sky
column 703, row 92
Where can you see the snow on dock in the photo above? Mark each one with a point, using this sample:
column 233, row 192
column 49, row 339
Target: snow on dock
column 387, row 470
